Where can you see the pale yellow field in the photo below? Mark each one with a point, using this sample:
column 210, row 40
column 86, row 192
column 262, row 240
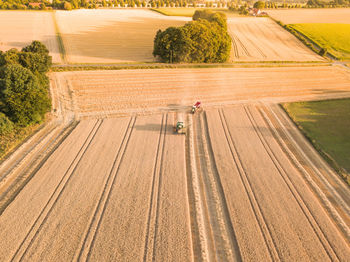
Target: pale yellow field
column 112, row 36
column 261, row 39
column 20, row 28
column 320, row 15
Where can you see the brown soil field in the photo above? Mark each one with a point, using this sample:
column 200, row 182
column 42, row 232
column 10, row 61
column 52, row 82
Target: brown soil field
column 103, row 93
column 318, row 15
column 20, row 28
column 242, row 185
column 112, row 36
column 261, row 39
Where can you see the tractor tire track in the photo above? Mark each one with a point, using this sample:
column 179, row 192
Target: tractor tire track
column 200, row 235
column 265, row 231
column 301, row 161
column 44, row 214
column 153, row 212
column 94, row 224
column 25, row 172
column 237, row 40
column 293, row 190
column 226, row 246
column 247, row 28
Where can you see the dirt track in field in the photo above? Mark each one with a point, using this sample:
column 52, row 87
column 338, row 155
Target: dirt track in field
column 261, row 39
column 19, row 28
column 242, row 184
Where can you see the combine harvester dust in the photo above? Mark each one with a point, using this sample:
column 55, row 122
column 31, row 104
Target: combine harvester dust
column 242, row 184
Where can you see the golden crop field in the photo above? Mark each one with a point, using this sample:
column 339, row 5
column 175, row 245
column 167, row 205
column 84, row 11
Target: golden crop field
column 112, row 36
column 20, row 28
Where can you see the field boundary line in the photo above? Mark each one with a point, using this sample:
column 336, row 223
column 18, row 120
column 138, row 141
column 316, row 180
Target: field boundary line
column 60, row 42
column 265, row 231
column 43, row 216
column 294, row 191
column 301, row 152
column 340, row 223
column 195, row 185
column 214, row 182
column 153, row 210
column 86, row 243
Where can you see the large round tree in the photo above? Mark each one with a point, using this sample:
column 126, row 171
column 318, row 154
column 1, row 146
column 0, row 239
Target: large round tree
column 22, row 97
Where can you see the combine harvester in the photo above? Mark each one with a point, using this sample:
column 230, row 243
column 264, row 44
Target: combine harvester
column 180, row 127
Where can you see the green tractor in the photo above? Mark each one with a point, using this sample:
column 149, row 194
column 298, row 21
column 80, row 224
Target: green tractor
column 180, row 128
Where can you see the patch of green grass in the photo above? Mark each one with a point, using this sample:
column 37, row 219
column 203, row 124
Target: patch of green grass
column 334, row 37
column 184, row 11
column 327, row 125
column 9, row 142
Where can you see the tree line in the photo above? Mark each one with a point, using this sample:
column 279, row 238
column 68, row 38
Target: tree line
column 203, row 40
column 24, row 86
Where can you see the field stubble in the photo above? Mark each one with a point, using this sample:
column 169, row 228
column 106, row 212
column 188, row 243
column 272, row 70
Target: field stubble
column 121, row 188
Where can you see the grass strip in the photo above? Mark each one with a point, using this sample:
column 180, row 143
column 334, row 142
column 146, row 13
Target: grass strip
column 335, row 38
column 9, row 143
column 326, row 124
column 65, row 68
column 304, row 39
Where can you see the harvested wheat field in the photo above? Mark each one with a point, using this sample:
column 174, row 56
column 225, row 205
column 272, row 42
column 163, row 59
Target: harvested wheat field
column 122, row 189
column 103, row 93
column 242, row 185
column 315, row 15
column 112, row 36
column 261, row 39
column 20, row 28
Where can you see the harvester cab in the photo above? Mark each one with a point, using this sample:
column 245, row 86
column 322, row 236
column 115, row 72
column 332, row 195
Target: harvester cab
column 195, row 107
column 180, row 127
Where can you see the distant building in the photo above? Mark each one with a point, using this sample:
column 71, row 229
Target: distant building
column 33, row 5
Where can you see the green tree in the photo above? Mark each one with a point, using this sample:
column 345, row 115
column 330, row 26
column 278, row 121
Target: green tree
column 67, row 6
column 9, row 57
column 22, row 97
column 204, row 40
column 259, row 5
column 6, row 125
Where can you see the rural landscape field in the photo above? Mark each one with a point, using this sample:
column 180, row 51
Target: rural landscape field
column 108, row 178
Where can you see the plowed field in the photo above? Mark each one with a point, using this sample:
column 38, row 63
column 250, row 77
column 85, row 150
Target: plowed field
column 242, row 185
column 20, row 28
column 111, row 36
column 261, row 39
